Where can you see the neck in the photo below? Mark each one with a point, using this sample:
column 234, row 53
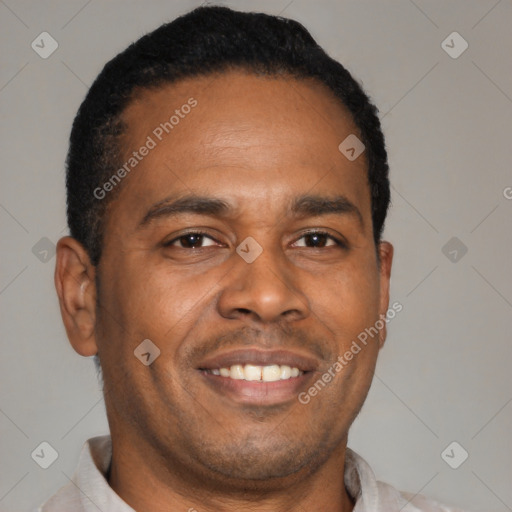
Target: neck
column 147, row 482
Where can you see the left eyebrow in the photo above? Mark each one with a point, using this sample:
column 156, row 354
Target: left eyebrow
column 314, row 206
column 302, row 206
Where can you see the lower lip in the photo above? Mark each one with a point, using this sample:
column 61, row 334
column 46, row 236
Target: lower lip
column 257, row 392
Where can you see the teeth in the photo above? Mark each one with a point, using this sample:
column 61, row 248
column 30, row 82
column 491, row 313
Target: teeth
column 237, row 372
column 286, row 372
column 271, row 373
column 250, row 372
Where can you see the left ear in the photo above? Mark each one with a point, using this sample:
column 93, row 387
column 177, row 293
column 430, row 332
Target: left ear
column 386, row 259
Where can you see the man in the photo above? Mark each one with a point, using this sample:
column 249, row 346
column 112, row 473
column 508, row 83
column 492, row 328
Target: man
column 227, row 191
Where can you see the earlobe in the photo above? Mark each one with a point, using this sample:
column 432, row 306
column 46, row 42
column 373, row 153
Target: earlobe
column 76, row 289
column 386, row 260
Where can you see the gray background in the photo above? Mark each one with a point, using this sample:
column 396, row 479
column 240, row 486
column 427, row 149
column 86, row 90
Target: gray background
column 444, row 374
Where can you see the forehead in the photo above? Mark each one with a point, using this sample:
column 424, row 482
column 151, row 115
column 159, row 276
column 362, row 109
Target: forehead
column 259, row 138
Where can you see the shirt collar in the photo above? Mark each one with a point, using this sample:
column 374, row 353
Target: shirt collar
column 89, row 490
column 93, row 465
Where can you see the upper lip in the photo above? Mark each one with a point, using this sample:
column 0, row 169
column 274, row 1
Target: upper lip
column 260, row 358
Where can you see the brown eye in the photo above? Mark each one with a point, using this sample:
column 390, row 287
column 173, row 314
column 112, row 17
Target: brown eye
column 319, row 240
column 195, row 240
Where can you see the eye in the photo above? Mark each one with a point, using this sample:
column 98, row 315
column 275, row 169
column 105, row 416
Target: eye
column 192, row 240
column 199, row 240
column 319, row 240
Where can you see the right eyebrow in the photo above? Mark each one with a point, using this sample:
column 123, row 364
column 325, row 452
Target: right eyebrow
column 172, row 206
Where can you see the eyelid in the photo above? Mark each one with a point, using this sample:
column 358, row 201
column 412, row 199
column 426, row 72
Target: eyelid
column 196, row 231
column 339, row 241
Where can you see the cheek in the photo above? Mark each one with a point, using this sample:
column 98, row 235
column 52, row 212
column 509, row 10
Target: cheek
column 158, row 301
column 348, row 300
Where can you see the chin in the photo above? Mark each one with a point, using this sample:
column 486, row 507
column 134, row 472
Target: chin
column 259, row 461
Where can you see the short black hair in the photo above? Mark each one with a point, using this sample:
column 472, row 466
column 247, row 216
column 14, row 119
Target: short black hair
column 207, row 40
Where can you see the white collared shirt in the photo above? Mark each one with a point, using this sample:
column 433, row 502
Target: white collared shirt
column 89, row 491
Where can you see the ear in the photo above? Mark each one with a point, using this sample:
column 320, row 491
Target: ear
column 386, row 259
column 76, row 288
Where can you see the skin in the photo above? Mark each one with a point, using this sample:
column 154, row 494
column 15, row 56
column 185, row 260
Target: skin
column 257, row 142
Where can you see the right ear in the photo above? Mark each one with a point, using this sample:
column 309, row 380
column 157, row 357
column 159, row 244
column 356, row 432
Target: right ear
column 76, row 288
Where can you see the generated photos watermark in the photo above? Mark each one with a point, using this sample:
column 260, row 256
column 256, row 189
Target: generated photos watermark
column 344, row 359
column 157, row 135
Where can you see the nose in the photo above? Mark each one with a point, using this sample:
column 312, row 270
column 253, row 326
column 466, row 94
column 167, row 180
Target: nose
column 265, row 290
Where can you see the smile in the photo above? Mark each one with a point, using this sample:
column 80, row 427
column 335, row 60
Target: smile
column 258, row 377
column 252, row 372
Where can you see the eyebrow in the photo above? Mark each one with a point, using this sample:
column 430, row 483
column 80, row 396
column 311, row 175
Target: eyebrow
column 302, row 206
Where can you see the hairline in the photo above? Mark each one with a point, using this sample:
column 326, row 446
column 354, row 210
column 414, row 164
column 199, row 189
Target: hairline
column 138, row 92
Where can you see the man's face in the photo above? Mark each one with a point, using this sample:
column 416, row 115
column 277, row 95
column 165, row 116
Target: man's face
column 260, row 145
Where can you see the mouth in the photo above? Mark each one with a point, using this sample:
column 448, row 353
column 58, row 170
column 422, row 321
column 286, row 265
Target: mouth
column 258, row 377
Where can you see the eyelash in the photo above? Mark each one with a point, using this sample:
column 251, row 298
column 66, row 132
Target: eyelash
column 337, row 241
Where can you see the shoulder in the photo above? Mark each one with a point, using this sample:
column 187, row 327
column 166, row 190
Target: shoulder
column 374, row 495
column 65, row 499
column 87, row 481
column 390, row 499
column 423, row 504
